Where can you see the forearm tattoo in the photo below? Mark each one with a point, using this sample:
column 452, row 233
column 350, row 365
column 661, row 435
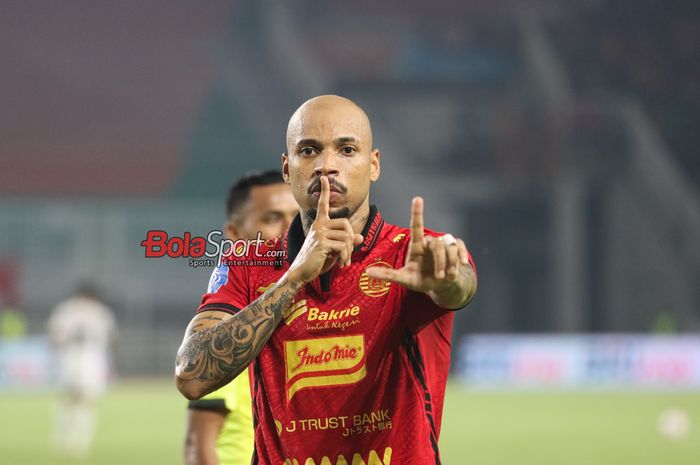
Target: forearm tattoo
column 467, row 276
column 460, row 292
column 217, row 354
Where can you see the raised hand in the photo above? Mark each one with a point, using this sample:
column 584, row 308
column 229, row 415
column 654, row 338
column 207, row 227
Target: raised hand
column 328, row 241
column 438, row 266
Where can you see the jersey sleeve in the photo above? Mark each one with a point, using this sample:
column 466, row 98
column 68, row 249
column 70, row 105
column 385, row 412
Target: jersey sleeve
column 228, row 289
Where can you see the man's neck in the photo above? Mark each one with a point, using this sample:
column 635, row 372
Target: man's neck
column 358, row 219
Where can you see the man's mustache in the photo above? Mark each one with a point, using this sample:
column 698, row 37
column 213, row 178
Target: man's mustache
column 315, row 186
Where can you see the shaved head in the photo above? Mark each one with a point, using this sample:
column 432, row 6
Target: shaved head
column 333, row 110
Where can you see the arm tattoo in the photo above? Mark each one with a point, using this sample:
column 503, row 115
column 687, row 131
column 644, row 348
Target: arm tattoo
column 460, row 293
column 216, row 355
column 200, row 323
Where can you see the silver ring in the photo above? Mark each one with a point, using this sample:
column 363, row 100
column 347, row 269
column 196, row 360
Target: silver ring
column 448, row 239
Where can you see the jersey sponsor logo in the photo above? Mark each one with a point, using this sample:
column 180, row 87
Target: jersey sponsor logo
column 374, row 287
column 324, row 362
column 319, row 319
column 373, row 458
column 218, row 278
column 333, row 319
column 306, row 357
column 332, row 314
column 347, row 425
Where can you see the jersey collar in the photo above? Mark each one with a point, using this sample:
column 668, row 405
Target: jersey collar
column 295, row 237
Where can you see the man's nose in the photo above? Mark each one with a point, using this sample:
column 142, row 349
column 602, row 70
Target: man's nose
column 326, row 164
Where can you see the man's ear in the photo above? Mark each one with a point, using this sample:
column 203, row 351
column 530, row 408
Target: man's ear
column 231, row 229
column 285, row 168
column 375, row 168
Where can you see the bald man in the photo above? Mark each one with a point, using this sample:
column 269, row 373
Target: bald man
column 349, row 338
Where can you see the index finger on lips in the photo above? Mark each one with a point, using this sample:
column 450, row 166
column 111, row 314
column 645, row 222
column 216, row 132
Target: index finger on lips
column 324, row 199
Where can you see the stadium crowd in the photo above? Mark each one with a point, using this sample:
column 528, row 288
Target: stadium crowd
column 647, row 50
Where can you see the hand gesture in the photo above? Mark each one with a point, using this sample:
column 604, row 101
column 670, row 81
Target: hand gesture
column 328, row 241
column 432, row 263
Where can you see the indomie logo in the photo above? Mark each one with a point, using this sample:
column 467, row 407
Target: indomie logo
column 323, row 362
column 335, row 353
column 372, row 459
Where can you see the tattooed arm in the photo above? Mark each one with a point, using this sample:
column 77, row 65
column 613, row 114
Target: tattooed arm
column 219, row 346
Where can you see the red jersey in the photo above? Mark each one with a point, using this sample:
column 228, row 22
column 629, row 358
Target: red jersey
column 356, row 371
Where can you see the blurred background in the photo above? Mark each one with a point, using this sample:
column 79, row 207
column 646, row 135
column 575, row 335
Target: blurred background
column 559, row 139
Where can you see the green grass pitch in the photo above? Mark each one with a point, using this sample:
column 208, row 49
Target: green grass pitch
column 142, row 423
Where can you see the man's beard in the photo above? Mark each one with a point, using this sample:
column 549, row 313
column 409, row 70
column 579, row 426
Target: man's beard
column 342, row 212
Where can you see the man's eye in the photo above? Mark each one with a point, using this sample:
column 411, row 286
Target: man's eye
column 274, row 218
column 347, row 150
column 307, row 151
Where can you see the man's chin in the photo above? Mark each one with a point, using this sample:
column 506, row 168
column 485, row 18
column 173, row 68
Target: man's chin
column 340, row 212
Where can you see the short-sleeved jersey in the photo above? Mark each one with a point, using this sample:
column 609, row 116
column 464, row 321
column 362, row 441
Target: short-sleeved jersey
column 234, row 445
column 356, row 371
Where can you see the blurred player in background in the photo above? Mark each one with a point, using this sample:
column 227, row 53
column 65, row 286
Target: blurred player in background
column 81, row 330
column 220, row 425
column 350, row 336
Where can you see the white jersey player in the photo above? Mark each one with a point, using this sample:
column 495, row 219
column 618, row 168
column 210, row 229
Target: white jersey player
column 81, row 330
